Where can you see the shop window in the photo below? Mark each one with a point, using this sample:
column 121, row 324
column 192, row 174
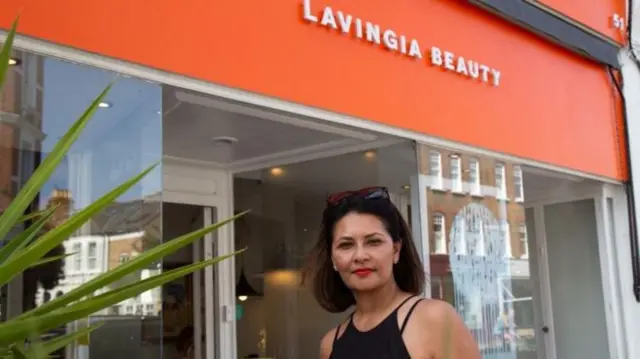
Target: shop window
column 488, row 265
column 505, row 236
column 517, row 183
column 77, row 256
column 456, row 173
column 501, row 184
column 439, row 234
column 435, row 169
column 459, row 236
column 474, row 177
column 475, row 238
column 92, row 256
column 524, row 242
column 126, row 135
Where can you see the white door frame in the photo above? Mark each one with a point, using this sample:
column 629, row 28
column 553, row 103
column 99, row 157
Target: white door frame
column 188, row 183
column 598, row 193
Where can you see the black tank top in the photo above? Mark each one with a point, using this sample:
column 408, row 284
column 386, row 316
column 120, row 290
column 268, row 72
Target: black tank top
column 382, row 342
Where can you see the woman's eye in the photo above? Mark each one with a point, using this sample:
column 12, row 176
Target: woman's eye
column 344, row 245
column 374, row 242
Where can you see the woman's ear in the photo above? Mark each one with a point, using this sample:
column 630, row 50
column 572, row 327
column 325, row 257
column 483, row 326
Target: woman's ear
column 397, row 246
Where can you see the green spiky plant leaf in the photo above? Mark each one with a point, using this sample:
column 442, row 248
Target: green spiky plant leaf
column 28, row 249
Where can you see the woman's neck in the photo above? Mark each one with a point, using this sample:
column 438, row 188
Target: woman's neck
column 376, row 301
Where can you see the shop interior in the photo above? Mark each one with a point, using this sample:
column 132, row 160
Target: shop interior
column 283, row 169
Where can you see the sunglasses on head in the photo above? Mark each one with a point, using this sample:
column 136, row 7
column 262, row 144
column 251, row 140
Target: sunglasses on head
column 364, row 193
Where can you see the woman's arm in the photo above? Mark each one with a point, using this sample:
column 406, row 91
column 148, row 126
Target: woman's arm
column 457, row 340
column 439, row 333
column 326, row 344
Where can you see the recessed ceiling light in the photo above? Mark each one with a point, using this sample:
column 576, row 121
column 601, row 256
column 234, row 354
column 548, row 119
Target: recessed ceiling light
column 276, row 171
column 14, row 61
column 406, row 186
column 105, row 104
column 370, row 154
column 224, row 140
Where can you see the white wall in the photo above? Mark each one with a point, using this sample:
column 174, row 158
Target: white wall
column 629, row 307
column 579, row 321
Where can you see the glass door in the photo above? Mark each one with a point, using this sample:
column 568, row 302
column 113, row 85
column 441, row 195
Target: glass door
column 189, row 320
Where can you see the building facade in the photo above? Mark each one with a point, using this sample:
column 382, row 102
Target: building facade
column 504, row 150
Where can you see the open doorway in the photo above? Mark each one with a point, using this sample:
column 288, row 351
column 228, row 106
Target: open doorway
column 282, row 319
column 184, row 326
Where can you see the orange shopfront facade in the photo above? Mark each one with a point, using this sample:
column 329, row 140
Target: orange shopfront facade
column 505, row 152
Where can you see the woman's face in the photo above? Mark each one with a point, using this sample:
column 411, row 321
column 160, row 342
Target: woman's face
column 363, row 252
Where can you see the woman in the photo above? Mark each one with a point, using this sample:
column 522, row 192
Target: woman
column 365, row 256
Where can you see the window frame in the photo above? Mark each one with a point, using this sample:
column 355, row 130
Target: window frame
column 501, row 188
column 474, row 177
column 456, row 178
column 435, row 157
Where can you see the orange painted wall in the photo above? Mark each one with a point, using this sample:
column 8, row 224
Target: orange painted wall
column 551, row 106
column 596, row 14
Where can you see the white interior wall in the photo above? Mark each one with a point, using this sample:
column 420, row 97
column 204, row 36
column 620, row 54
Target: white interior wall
column 280, row 229
column 576, row 282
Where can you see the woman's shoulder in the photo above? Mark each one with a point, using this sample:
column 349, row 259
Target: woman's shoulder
column 433, row 323
column 429, row 314
column 326, row 344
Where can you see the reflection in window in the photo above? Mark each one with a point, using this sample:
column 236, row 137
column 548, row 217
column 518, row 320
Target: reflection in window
column 91, row 255
column 505, row 235
column 460, row 239
column 475, row 237
column 44, row 97
column 501, row 184
column 518, row 183
column 474, row 176
column 524, row 242
column 440, row 238
column 456, row 173
column 435, row 169
column 77, row 257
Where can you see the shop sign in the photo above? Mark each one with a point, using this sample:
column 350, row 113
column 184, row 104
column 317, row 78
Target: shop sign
column 393, row 41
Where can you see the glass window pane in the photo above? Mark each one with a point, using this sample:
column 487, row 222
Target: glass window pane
column 122, row 139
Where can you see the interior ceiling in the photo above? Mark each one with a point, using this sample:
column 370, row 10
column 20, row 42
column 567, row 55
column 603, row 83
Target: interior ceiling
column 266, row 138
column 192, row 122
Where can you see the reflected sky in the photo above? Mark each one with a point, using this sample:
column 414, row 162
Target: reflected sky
column 118, row 142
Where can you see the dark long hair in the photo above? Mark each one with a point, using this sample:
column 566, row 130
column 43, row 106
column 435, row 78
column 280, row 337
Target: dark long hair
column 328, row 288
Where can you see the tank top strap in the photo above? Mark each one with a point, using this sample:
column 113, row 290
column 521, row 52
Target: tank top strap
column 406, row 319
column 403, row 303
column 335, row 337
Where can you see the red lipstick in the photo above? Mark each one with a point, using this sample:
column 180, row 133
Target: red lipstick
column 362, row 272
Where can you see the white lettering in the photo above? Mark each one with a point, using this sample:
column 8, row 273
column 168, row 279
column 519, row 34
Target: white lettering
column 345, row 22
column 359, row 32
column 414, row 49
column 474, row 69
column 436, row 56
column 373, row 33
column 461, row 68
column 403, row 44
column 328, row 19
column 485, row 73
column 496, row 77
column 307, row 12
column 390, row 40
column 448, row 61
